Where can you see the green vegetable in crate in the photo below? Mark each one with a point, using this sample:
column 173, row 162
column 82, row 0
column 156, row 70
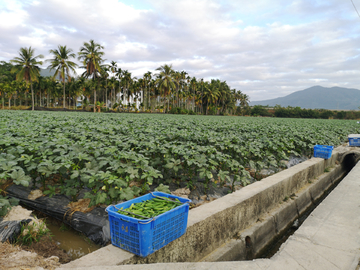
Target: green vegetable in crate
column 150, row 208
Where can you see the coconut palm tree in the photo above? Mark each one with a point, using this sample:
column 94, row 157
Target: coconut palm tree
column 120, row 74
column 105, row 76
column 127, row 81
column 91, row 56
column 183, row 82
column 201, row 94
column 193, row 84
column 147, row 79
column 62, row 64
column 113, row 69
column 112, row 85
column 211, row 93
column 166, row 82
column 27, row 67
column 244, row 100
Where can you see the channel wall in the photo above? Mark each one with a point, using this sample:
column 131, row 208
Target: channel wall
column 238, row 218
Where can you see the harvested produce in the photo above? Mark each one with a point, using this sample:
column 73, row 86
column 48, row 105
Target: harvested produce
column 150, row 208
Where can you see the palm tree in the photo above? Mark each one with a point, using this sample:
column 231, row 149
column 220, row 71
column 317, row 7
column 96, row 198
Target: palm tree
column 91, row 56
column 105, row 75
column 113, row 69
column 112, row 85
column 244, row 100
column 202, row 91
column 211, row 93
column 62, row 65
column 26, row 68
column 166, row 81
column 147, row 78
column 183, row 82
column 10, row 91
column 127, row 81
column 193, row 85
column 119, row 74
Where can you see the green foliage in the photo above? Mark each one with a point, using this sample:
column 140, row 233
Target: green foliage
column 178, row 110
column 6, row 204
column 118, row 156
column 259, row 110
column 32, row 232
column 51, row 191
column 163, row 188
column 297, row 112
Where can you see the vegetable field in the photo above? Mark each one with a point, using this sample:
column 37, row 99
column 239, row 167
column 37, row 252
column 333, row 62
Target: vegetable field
column 118, row 156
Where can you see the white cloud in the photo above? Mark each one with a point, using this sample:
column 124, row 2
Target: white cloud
column 265, row 49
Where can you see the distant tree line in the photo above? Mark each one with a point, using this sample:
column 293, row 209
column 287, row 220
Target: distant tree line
column 297, row 112
column 108, row 87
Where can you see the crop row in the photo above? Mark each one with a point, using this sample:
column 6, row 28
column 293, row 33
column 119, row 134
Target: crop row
column 118, row 156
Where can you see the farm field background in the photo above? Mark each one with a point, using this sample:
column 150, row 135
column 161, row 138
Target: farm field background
column 118, row 156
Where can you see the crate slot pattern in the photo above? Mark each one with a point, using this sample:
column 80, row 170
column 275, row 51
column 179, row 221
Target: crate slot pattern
column 323, row 151
column 354, row 141
column 167, row 231
column 143, row 237
column 128, row 242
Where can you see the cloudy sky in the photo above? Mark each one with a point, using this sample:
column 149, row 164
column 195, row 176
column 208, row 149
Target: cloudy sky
column 265, row 48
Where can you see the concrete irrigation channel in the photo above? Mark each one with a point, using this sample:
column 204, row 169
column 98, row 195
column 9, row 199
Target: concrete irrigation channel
column 232, row 231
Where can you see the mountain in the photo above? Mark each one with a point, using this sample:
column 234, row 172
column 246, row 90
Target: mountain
column 318, row 97
column 46, row 72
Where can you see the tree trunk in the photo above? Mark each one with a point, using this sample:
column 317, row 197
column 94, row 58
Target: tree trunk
column 64, row 94
column 113, row 97
column 106, row 96
column 9, row 103
column 32, row 96
column 95, row 100
column 128, row 98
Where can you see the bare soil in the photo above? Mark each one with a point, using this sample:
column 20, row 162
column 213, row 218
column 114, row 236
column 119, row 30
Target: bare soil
column 13, row 257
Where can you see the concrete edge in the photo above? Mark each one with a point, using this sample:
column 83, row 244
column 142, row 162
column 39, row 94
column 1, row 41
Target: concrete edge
column 254, row 240
column 213, row 224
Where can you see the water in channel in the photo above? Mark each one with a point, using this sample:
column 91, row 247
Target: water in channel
column 74, row 243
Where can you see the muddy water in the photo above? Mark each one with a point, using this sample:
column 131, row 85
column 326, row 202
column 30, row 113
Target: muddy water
column 75, row 244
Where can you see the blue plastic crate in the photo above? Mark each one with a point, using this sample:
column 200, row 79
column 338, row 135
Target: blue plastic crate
column 323, row 151
column 143, row 237
column 354, row 139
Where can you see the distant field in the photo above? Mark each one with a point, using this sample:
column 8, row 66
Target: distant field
column 118, row 156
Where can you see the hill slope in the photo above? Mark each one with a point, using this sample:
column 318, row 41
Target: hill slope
column 46, row 72
column 318, row 97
